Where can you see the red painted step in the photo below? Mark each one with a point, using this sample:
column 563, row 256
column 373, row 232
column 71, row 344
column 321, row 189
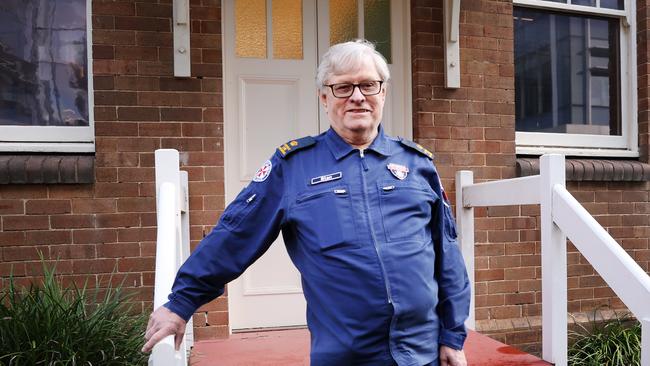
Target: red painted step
column 291, row 348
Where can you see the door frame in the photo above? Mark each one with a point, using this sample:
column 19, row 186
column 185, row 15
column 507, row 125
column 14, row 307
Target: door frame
column 230, row 121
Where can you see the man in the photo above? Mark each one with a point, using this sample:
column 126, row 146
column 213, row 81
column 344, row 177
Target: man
column 366, row 222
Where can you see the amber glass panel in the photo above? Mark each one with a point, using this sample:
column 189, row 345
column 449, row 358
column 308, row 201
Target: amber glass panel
column 250, row 28
column 287, row 29
column 376, row 25
column 344, row 20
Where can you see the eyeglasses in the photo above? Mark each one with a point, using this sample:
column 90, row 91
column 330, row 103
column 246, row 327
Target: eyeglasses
column 345, row 90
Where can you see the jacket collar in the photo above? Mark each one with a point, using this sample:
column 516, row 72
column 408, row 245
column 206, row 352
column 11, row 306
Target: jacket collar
column 340, row 148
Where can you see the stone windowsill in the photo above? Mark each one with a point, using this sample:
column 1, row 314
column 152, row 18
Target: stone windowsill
column 598, row 170
column 47, row 169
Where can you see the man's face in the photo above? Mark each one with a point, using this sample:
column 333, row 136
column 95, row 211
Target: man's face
column 358, row 114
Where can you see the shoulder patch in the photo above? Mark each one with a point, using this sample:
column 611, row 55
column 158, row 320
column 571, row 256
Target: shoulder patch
column 417, row 147
column 295, row 145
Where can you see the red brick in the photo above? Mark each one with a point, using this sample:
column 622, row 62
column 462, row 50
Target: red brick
column 143, row 204
column 143, row 24
column 22, row 253
column 11, row 238
column 48, row 237
column 93, row 205
column 94, row 266
column 72, row 221
column 40, row 207
column 116, row 250
column 75, row 251
column 94, row 236
column 13, row 223
column 116, row 190
column 117, row 220
column 113, row 8
column 136, row 264
column 12, row 207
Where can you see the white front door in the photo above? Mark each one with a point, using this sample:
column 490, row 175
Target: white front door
column 271, row 50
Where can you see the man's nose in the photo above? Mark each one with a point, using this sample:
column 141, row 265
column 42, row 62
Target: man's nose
column 357, row 96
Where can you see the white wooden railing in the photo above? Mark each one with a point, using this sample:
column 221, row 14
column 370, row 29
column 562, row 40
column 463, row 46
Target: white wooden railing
column 172, row 248
column 562, row 216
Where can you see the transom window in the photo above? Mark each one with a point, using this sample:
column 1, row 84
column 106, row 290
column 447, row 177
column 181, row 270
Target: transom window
column 575, row 79
column 44, row 76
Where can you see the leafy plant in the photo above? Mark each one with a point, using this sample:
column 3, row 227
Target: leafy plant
column 613, row 342
column 52, row 324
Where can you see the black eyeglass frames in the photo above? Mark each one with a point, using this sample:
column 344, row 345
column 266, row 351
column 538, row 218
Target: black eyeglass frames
column 345, row 90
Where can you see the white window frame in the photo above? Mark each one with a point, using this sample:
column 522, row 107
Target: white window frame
column 71, row 139
column 626, row 145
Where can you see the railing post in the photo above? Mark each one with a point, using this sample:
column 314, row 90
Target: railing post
column 171, row 200
column 554, row 265
column 645, row 342
column 465, row 223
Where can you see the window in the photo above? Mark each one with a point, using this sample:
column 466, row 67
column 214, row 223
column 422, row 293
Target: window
column 45, row 88
column 575, row 77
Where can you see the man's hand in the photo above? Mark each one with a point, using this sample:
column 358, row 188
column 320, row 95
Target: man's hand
column 162, row 323
column 452, row 357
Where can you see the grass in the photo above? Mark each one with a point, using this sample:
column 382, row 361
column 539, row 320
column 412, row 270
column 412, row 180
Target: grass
column 613, row 342
column 52, row 324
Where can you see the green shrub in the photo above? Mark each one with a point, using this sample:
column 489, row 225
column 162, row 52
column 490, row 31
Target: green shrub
column 52, row 324
column 614, row 342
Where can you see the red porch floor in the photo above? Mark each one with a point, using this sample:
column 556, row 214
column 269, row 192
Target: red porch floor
column 291, row 348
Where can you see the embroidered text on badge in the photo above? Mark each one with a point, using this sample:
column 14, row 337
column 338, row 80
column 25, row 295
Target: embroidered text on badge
column 399, row 171
column 326, row 178
column 263, row 172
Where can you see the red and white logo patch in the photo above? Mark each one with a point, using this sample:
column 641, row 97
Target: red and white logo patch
column 263, row 172
column 399, row 171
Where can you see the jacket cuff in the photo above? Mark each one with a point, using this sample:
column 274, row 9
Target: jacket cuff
column 451, row 339
column 183, row 308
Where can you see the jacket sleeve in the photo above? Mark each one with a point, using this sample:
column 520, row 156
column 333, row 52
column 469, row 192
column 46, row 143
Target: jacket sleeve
column 247, row 228
column 454, row 290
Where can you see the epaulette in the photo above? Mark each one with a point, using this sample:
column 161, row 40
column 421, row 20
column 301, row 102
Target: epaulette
column 417, row 147
column 295, row 145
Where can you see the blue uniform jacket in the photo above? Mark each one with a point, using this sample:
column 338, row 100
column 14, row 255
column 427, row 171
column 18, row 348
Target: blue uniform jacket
column 381, row 271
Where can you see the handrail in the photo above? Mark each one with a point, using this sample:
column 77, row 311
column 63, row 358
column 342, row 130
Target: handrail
column 172, row 248
column 561, row 216
column 626, row 278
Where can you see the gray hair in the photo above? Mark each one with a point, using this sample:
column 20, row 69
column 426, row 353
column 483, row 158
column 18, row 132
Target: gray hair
column 343, row 57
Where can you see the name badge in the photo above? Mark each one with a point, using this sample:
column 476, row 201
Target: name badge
column 326, row 178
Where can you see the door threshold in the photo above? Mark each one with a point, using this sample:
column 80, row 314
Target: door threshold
column 271, row 329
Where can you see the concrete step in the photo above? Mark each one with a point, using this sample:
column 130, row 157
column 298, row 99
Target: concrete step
column 291, row 348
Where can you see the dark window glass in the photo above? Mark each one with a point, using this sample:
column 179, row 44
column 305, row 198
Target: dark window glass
column 566, row 73
column 43, row 63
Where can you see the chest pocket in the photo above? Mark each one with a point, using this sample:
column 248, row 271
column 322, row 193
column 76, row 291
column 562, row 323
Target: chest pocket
column 405, row 209
column 324, row 217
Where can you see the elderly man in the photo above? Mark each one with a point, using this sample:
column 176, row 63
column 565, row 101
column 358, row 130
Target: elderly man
column 366, row 222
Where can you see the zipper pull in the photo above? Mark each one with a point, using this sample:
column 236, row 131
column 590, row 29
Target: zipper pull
column 251, row 198
column 340, row 191
column 388, row 188
column 363, row 160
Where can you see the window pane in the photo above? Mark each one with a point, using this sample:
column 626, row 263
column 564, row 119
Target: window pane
column 584, row 2
column 612, row 4
column 344, row 20
column 566, row 73
column 43, row 63
column 287, row 29
column 376, row 25
column 250, row 28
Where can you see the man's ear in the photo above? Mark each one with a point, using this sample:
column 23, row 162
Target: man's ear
column 322, row 97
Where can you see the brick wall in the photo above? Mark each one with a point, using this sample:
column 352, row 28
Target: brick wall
column 474, row 128
column 108, row 226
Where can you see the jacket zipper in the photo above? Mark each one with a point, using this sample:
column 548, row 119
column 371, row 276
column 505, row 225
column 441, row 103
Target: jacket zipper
column 372, row 231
